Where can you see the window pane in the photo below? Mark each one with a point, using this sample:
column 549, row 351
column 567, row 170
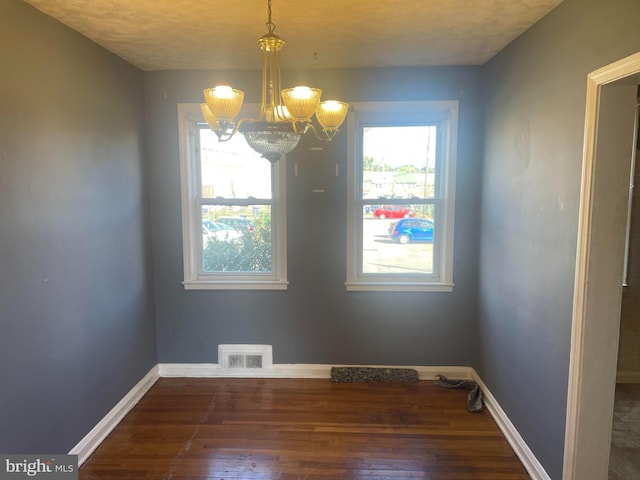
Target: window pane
column 399, row 162
column 397, row 244
column 236, row 239
column 231, row 169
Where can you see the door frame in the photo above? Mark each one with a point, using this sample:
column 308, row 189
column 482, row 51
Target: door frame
column 593, row 353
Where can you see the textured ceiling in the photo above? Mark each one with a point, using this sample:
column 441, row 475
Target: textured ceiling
column 212, row 34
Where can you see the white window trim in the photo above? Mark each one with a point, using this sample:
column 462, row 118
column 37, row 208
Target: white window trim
column 385, row 113
column 189, row 116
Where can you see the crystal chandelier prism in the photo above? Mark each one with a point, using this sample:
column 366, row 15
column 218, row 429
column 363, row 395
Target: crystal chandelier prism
column 285, row 115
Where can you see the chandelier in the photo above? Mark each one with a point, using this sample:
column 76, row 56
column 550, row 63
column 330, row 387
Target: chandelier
column 285, row 115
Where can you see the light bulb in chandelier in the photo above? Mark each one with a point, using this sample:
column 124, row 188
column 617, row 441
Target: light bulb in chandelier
column 330, row 115
column 301, row 102
column 224, row 102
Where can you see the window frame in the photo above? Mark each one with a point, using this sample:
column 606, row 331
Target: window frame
column 189, row 118
column 381, row 114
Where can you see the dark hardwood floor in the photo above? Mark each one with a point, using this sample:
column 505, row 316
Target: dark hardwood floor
column 285, row 429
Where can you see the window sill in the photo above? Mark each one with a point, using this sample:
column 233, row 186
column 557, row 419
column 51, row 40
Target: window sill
column 398, row 287
column 237, row 285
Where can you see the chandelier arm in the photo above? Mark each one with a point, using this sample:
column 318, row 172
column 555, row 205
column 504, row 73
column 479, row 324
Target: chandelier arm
column 274, row 84
column 300, row 127
column 239, row 123
column 226, row 132
column 278, row 110
column 223, row 136
column 312, row 127
column 263, row 101
column 269, row 102
column 327, row 134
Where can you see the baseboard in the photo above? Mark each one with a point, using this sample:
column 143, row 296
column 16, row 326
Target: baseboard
column 297, row 370
column 94, row 438
column 628, row 377
column 212, row 370
column 520, row 447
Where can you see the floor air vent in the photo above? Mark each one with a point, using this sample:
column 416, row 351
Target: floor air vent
column 245, row 359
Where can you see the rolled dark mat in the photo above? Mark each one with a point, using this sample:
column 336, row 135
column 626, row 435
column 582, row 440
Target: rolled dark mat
column 475, row 399
column 373, row 374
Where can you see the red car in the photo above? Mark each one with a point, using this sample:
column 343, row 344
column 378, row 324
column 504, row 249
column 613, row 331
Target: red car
column 393, row 211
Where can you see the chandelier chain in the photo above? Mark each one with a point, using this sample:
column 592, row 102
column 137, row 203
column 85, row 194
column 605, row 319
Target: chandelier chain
column 270, row 25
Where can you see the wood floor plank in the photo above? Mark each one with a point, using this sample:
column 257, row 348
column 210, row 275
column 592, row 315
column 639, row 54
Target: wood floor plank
column 286, row 429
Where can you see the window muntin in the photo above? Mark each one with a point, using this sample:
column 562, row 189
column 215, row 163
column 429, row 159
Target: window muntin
column 401, row 167
column 233, row 211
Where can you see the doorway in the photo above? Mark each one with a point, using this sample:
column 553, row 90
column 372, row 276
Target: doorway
column 624, row 460
column 611, row 98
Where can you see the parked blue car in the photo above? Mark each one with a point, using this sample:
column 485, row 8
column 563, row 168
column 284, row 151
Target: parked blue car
column 412, row 230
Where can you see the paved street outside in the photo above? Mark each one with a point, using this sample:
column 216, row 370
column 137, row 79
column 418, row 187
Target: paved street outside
column 382, row 255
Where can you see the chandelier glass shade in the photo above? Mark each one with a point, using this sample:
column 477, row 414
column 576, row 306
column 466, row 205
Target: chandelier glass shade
column 285, row 115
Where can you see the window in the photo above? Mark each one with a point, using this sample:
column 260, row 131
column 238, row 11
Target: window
column 233, row 211
column 401, row 192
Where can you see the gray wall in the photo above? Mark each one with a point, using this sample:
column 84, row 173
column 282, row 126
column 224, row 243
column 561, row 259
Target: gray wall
column 76, row 307
column 316, row 320
column 535, row 107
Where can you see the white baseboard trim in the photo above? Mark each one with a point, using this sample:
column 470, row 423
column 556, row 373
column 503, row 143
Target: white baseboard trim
column 628, row 377
column 520, row 447
column 213, row 370
column 296, row 370
column 95, row 437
